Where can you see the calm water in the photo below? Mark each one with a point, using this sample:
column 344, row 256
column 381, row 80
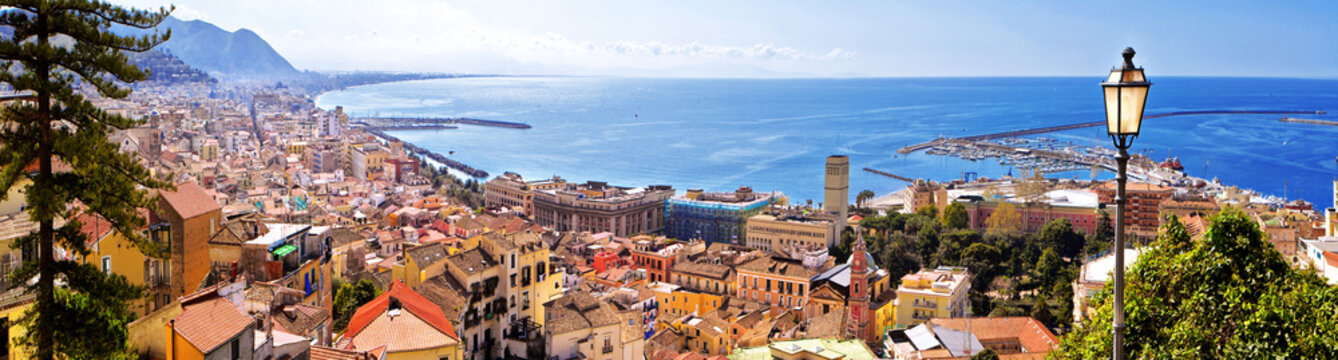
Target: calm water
column 775, row 134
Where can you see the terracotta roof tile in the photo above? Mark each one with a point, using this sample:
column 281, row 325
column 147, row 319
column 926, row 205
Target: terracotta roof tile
column 190, row 200
column 326, row 353
column 410, row 301
column 209, row 323
column 93, row 227
column 1031, row 334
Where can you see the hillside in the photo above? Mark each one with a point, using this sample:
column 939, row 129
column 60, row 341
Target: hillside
column 237, row 54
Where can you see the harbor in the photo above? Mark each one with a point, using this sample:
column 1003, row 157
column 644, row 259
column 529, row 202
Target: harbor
column 379, row 125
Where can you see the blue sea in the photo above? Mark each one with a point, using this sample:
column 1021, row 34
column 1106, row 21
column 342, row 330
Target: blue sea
column 774, row 135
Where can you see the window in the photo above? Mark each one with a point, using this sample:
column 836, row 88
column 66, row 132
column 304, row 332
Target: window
column 513, row 261
column 236, row 349
column 106, row 265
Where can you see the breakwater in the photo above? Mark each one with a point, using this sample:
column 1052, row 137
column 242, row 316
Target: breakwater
column 1050, row 129
column 451, row 163
column 399, row 123
column 1308, row 121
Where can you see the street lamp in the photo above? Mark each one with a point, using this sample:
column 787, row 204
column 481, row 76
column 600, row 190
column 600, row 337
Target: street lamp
column 1126, row 92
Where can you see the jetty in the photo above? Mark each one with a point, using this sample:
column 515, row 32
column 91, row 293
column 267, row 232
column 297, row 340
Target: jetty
column 1050, row 129
column 891, row 175
column 451, row 163
column 1308, row 121
column 405, row 123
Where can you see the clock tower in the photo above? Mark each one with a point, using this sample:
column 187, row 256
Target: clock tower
column 858, row 300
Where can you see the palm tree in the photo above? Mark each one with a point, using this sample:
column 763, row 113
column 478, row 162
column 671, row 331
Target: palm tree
column 864, row 195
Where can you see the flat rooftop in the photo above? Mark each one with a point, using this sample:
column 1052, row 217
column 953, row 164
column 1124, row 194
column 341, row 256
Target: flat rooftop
column 278, row 233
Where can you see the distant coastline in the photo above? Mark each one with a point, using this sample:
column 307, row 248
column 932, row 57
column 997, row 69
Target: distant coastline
column 774, row 134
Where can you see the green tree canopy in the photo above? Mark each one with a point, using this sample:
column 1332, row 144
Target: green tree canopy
column 1059, row 235
column 54, row 48
column 349, row 297
column 929, row 211
column 1230, row 295
column 1004, row 220
column 987, row 354
column 955, row 216
column 1048, row 266
column 864, row 195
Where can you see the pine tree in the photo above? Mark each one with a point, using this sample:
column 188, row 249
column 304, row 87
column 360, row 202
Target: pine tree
column 55, row 47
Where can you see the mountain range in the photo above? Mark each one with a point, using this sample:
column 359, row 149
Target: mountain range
column 222, row 53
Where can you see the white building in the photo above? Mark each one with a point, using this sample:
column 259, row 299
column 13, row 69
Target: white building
column 1322, row 255
column 328, row 126
column 1095, row 273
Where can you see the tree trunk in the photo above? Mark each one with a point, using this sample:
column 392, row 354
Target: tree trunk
column 46, row 282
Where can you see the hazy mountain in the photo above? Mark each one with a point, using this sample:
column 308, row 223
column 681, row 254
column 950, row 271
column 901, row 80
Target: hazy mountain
column 240, row 53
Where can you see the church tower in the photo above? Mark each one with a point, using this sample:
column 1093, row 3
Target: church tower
column 858, row 300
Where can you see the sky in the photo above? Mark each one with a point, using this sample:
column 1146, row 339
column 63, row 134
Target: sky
column 747, row 38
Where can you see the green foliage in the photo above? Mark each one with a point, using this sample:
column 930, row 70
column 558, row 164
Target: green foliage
column 927, row 245
column 1004, row 221
column 1059, row 235
column 951, row 245
column 955, row 216
column 1230, row 295
column 987, row 354
column 468, row 192
column 348, row 297
column 897, row 256
column 929, row 211
column 1041, row 312
column 1100, row 240
column 864, row 195
column 1048, row 266
column 984, row 260
column 56, row 47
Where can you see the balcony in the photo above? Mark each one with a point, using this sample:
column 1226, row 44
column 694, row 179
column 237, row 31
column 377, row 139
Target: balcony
column 525, row 330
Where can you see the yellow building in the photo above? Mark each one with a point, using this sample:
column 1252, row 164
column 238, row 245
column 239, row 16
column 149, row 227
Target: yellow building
column 885, row 315
column 209, row 150
column 705, row 334
column 420, row 263
column 210, row 327
column 781, row 233
column 516, row 280
column 113, row 253
column 12, row 308
column 937, row 293
column 297, row 147
column 675, row 302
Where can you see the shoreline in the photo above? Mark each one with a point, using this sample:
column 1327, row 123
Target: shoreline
column 430, row 155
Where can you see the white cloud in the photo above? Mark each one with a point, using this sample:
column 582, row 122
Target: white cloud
column 187, row 13
column 416, row 35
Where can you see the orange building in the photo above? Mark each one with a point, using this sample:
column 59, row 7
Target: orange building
column 656, row 255
column 1143, row 213
column 780, row 282
column 192, row 216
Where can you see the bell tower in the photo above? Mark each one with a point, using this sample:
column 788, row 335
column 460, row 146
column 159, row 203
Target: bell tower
column 858, row 300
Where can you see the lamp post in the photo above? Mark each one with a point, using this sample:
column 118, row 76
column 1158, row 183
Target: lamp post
column 1126, row 93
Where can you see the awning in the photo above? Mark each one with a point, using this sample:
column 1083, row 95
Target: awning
column 284, row 250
